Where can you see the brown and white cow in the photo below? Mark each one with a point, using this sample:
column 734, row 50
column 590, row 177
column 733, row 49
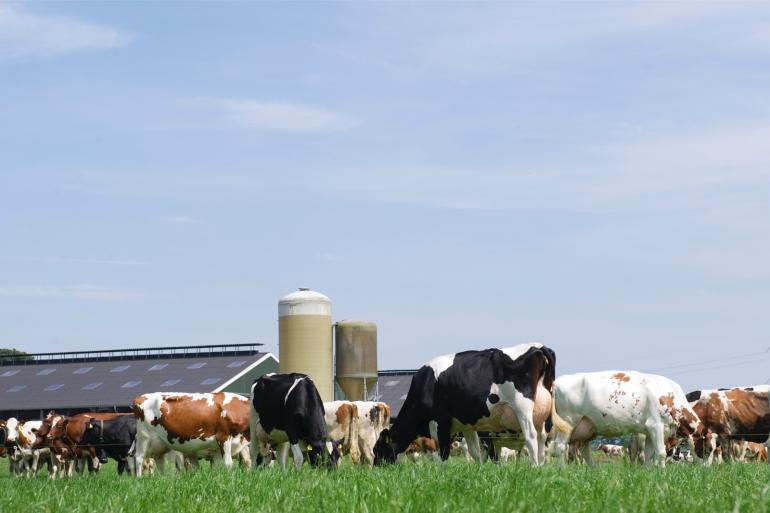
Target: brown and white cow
column 733, row 414
column 342, row 427
column 616, row 403
column 373, row 417
column 205, row 425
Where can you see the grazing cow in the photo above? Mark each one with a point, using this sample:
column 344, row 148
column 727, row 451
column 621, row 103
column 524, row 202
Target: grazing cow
column 287, row 409
column 342, row 427
column 113, row 436
column 732, row 414
column 614, row 403
column 204, row 425
column 611, row 449
column 26, row 449
column 495, row 390
column 373, row 417
column 422, row 445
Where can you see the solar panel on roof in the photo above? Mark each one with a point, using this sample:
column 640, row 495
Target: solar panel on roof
column 51, row 388
column 82, row 370
column 130, row 384
column 9, row 373
column 391, row 383
column 236, row 363
column 170, row 382
column 158, row 366
column 46, row 372
column 211, row 381
column 92, row 386
column 16, row 388
column 120, row 368
column 196, row 365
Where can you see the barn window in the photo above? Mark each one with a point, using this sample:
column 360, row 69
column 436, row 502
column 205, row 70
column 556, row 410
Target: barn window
column 92, row 386
column 130, row 384
column 46, row 372
column 120, row 368
column 170, row 382
column 82, row 370
column 391, row 383
column 211, row 381
column 9, row 373
column 197, row 365
column 16, row 388
column 51, row 388
column 158, row 366
column 237, row 363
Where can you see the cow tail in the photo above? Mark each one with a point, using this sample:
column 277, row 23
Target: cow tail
column 352, row 435
column 549, row 370
column 559, row 423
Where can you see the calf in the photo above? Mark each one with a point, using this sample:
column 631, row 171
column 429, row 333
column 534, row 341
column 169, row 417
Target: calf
column 342, row 427
column 205, row 425
column 287, row 409
column 732, row 414
column 494, row 390
column 614, row 403
column 67, row 439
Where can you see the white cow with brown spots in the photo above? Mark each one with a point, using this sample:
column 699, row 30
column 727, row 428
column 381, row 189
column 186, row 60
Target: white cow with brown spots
column 342, row 427
column 214, row 426
column 373, row 417
column 615, row 403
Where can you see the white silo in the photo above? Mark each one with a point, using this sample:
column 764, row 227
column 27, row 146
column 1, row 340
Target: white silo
column 305, row 338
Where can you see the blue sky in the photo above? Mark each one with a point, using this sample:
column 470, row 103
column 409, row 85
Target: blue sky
column 593, row 176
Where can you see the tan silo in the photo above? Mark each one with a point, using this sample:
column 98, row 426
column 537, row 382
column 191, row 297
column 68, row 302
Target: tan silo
column 305, row 338
column 356, row 358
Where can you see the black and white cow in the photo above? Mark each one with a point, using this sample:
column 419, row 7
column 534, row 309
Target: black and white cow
column 494, row 390
column 112, row 438
column 286, row 409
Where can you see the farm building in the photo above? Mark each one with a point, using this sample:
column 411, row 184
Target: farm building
column 71, row 382
column 392, row 387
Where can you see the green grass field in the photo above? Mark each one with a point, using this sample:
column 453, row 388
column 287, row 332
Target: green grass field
column 405, row 488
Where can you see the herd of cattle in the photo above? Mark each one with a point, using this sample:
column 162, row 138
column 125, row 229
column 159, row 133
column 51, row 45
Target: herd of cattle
column 499, row 403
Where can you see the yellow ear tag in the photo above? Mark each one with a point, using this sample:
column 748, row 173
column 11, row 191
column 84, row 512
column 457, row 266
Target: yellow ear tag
column 309, row 447
column 90, row 426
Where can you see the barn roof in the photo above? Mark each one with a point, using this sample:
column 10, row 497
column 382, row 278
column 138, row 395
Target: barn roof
column 107, row 379
column 392, row 387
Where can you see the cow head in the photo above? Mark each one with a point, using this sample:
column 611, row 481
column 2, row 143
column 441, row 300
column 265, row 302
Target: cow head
column 11, row 431
column 385, row 448
column 93, row 434
column 318, row 454
column 3, row 433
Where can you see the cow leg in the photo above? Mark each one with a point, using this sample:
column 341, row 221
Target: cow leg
column 297, row 453
column 140, row 449
column 541, row 441
column 585, row 447
column 474, row 447
column 656, row 445
column 767, row 448
column 444, row 439
column 226, row 454
column 524, row 416
column 283, row 455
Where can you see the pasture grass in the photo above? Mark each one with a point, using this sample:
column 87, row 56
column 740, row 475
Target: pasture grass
column 405, row 488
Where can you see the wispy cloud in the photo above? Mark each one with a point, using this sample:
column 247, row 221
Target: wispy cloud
column 181, row 220
column 86, row 292
column 25, row 34
column 282, row 116
column 84, row 261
